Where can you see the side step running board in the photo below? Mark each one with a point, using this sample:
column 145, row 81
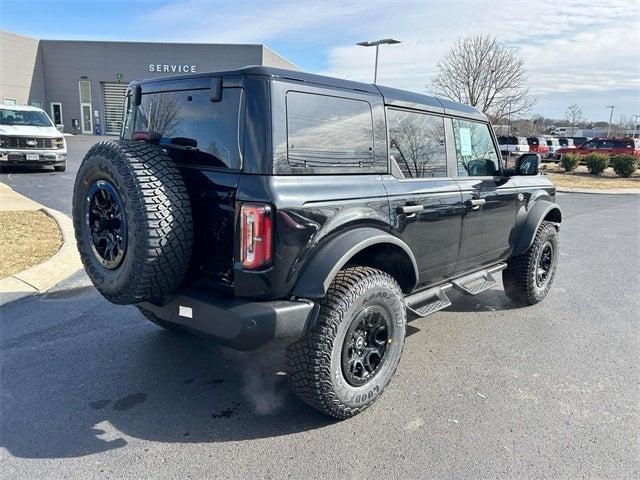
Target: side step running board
column 427, row 302
column 480, row 281
column 434, row 299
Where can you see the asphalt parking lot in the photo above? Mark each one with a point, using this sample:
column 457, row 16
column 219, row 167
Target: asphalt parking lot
column 484, row 389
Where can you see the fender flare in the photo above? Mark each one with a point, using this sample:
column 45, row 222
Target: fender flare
column 320, row 271
column 535, row 216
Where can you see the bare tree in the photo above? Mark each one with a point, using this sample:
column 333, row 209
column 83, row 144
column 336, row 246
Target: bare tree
column 625, row 125
column 417, row 147
column 480, row 71
column 162, row 114
column 574, row 116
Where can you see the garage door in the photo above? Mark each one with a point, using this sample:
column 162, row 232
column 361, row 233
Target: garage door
column 113, row 95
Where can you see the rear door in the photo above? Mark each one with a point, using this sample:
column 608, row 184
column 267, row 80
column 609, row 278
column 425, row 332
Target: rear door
column 425, row 202
column 489, row 198
column 623, row 147
column 204, row 139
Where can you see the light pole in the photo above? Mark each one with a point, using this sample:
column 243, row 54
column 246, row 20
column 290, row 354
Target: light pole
column 377, row 43
column 610, row 118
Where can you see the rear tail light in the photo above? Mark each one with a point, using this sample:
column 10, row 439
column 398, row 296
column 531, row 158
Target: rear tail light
column 255, row 235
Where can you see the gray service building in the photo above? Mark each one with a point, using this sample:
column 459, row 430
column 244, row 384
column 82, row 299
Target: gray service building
column 86, row 80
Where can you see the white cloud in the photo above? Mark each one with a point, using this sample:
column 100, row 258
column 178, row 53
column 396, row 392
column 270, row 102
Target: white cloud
column 571, row 46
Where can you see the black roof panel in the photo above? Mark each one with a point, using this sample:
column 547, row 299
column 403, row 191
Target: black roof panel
column 392, row 96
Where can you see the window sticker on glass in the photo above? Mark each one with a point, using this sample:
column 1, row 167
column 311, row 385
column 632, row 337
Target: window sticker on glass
column 465, row 141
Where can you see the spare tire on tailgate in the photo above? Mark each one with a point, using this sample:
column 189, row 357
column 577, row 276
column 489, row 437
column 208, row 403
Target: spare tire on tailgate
column 132, row 219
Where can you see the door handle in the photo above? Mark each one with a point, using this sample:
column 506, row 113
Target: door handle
column 475, row 203
column 410, row 208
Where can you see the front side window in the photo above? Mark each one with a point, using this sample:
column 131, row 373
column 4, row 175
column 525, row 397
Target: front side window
column 32, row 118
column 326, row 131
column 191, row 127
column 417, row 144
column 475, row 152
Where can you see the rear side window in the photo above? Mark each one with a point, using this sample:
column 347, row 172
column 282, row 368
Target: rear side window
column 475, row 152
column 417, row 144
column 327, row 131
column 191, row 127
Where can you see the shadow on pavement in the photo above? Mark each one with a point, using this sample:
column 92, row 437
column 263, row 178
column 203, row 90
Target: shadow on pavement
column 493, row 299
column 81, row 376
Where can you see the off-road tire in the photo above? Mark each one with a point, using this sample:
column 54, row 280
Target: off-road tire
column 519, row 278
column 314, row 362
column 174, row 327
column 157, row 211
column 60, row 168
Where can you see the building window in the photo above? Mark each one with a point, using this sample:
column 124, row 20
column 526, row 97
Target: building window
column 475, row 152
column 56, row 113
column 9, row 101
column 85, row 106
column 417, row 144
column 325, row 131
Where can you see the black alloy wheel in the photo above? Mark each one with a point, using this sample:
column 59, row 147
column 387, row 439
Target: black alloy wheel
column 545, row 263
column 365, row 346
column 107, row 224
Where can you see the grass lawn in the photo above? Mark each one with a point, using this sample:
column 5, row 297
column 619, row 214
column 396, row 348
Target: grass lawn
column 26, row 239
column 581, row 178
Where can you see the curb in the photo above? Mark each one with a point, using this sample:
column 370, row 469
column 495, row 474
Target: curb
column 600, row 191
column 39, row 278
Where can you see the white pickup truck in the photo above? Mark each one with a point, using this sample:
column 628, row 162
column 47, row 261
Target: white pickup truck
column 510, row 145
column 28, row 138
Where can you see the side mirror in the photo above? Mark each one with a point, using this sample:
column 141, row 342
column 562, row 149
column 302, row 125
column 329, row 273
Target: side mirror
column 528, row 164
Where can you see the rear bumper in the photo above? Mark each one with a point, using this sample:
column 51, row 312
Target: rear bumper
column 240, row 324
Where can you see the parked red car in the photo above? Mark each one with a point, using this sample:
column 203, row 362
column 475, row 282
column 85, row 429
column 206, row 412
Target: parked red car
column 538, row 145
column 608, row 146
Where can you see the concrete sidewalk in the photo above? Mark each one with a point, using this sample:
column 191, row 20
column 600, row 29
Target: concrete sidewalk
column 39, row 278
column 600, row 191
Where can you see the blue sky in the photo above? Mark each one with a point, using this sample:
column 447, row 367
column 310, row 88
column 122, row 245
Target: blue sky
column 576, row 51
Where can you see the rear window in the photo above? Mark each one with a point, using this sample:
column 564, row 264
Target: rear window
column 533, row 141
column 327, row 131
column 623, row 144
column 191, row 127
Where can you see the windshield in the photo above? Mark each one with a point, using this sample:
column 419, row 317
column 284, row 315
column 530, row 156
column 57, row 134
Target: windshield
column 32, row 118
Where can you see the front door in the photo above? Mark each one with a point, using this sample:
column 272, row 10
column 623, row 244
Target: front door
column 86, row 118
column 425, row 202
column 489, row 198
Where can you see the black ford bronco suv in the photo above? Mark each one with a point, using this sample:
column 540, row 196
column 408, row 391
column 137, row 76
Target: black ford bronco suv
column 264, row 204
